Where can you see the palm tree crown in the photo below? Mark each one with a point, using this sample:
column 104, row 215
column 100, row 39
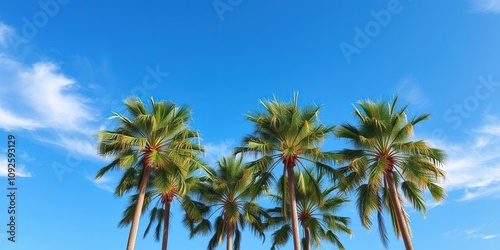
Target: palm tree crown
column 228, row 191
column 163, row 189
column 288, row 134
column 148, row 140
column 316, row 205
column 385, row 161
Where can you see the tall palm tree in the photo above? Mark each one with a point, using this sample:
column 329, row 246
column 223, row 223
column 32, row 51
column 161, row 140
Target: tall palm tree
column 228, row 193
column 164, row 188
column 315, row 212
column 148, row 140
column 383, row 159
column 288, row 134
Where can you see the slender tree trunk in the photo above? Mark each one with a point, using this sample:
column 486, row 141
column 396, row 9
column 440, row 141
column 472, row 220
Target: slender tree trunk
column 138, row 207
column 229, row 242
column 166, row 219
column 293, row 208
column 307, row 244
column 403, row 224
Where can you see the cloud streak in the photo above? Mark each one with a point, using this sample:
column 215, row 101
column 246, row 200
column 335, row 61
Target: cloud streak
column 41, row 99
column 102, row 183
column 409, row 89
column 472, row 233
column 5, row 31
column 40, row 96
column 488, row 6
column 474, row 167
column 213, row 152
column 21, row 170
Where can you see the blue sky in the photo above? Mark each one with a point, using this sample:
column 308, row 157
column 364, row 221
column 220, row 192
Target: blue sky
column 66, row 65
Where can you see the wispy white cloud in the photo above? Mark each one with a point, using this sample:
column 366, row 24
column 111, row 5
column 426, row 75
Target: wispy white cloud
column 23, row 155
column 487, row 237
column 21, row 170
column 432, row 204
column 40, row 98
column 84, row 147
column 104, row 183
column 410, row 91
column 474, row 166
column 5, row 31
column 215, row 151
column 10, row 121
column 488, row 6
column 472, row 233
column 490, row 191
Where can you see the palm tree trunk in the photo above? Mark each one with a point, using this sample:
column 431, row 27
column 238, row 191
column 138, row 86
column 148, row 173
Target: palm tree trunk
column 307, row 243
column 405, row 232
column 138, row 207
column 229, row 242
column 166, row 219
column 293, row 207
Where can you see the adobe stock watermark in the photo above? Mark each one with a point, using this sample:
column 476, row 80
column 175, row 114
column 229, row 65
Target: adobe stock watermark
column 150, row 82
column 31, row 26
column 461, row 111
column 364, row 35
column 73, row 160
column 223, row 6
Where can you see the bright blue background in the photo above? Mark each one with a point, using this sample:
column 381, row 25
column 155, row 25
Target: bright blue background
column 431, row 53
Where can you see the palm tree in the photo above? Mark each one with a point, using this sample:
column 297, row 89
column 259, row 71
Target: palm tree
column 315, row 212
column 148, row 140
column 290, row 135
column 228, row 192
column 164, row 188
column 384, row 158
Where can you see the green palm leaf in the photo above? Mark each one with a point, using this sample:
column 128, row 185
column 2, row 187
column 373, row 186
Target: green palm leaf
column 146, row 141
column 316, row 207
column 230, row 191
column 384, row 161
column 287, row 134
